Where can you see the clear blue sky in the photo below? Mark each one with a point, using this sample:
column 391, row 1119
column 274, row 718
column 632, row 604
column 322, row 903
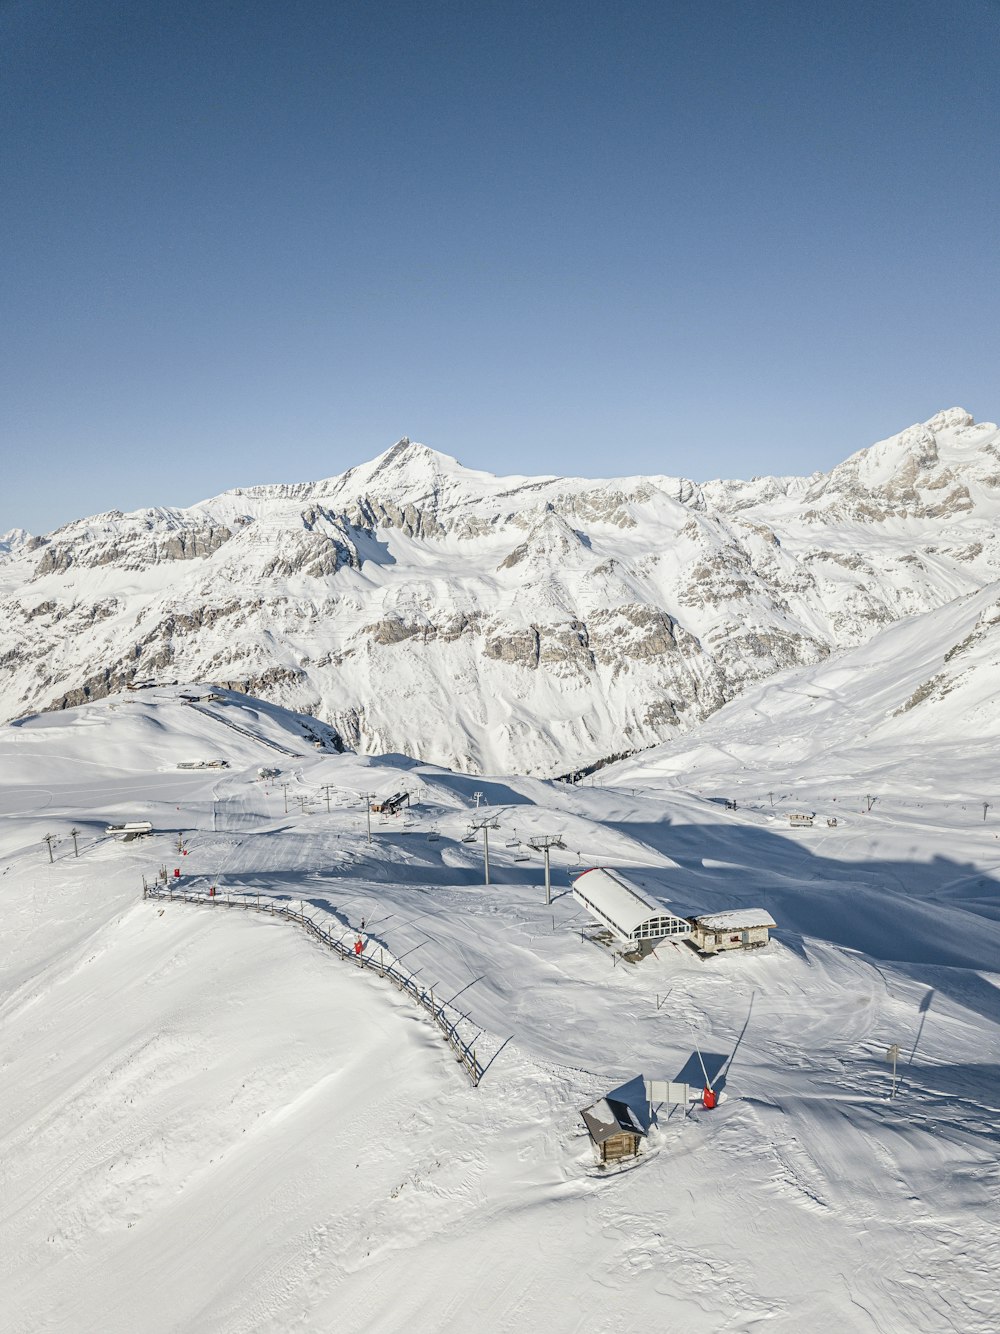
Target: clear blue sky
column 259, row 241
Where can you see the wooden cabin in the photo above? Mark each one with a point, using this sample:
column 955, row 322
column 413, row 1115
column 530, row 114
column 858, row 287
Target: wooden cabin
column 618, row 1122
column 738, row 929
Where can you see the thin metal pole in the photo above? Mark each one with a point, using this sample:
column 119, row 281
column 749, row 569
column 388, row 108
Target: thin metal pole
column 548, row 878
column 708, row 1082
column 891, row 1054
column 486, row 851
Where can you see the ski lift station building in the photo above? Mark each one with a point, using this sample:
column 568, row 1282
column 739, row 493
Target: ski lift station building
column 622, row 906
column 130, row 830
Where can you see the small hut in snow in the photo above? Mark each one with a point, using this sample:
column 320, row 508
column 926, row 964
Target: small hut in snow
column 619, row 1121
column 738, row 929
column 621, row 906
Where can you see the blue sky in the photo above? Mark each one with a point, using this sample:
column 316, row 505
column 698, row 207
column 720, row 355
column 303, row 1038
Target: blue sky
column 256, row 241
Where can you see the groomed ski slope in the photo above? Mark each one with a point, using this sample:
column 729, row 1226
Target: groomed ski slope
column 208, row 1123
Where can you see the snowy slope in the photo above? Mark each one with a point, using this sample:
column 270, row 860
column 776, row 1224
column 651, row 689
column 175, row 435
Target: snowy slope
column 209, row 1124
column 913, row 709
column 502, row 623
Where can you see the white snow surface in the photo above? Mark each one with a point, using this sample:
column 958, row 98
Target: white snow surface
column 208, row 1123
column 736, row 919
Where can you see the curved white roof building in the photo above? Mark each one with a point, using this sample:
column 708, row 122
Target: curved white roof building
column 619, row 904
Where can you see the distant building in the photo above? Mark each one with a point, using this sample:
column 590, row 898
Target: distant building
column 801, row 821
column 131, row 830
column 738, row 929
column 624, row 909
column 391, row 805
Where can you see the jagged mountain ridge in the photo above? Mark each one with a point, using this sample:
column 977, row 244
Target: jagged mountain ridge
column 503, row 623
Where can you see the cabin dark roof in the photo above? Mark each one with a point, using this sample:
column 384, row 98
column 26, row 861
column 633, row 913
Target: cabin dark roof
column 609, row 1117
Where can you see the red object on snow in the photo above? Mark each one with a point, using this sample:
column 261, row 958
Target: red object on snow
column 358, row 945
column 211, row 892
column 708, row 1098
column 177, row 872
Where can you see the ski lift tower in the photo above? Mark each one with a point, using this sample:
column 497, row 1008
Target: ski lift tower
column 544, row 843
column 368, row 798
column 486, row 824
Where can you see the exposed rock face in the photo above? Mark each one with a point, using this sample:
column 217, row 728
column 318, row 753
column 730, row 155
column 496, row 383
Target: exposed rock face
column 132, row 550
column 534, row 624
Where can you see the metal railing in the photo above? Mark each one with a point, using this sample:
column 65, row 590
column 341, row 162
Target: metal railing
column 385, row 965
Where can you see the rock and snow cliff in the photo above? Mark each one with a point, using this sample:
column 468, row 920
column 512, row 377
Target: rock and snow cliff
column 502, row 623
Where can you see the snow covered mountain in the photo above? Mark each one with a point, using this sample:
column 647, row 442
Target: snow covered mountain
column 503, row 624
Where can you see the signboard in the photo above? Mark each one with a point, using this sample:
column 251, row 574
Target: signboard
column 664, row 1090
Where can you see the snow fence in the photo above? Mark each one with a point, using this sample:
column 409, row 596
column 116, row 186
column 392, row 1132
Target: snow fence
column 385, row 965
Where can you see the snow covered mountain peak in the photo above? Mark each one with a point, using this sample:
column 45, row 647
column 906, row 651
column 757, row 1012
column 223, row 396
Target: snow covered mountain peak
column 13, row 540
column 406, row 466
column 503, row 623
column 928, row 470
